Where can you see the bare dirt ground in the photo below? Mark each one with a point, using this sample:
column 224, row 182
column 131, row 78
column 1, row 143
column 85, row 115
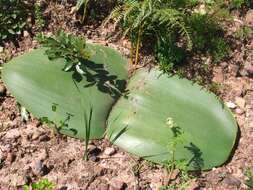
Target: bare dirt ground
column 30, row 151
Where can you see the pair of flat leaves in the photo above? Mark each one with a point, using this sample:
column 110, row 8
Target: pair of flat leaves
column 137, row 121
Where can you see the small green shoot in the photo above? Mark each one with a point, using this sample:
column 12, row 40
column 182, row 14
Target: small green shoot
column 249, row 173
column 39, row 19
column 87, row 122
column 84, row 4
column 177, row 138
column 43, row 184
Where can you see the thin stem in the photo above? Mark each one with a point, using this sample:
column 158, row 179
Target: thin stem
column 172, row 167
column 86, row 149
column 138, row 46
column 84, row 10
column 131, row 54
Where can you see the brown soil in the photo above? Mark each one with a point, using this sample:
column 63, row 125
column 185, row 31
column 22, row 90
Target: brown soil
column 30, row 151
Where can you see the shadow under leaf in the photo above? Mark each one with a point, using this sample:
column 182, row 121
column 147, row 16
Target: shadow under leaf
column 196, row 161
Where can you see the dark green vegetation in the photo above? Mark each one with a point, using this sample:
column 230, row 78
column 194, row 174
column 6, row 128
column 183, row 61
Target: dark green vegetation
column 177, row 28
column 71, row 48
column 249, row 173
column 13, row 16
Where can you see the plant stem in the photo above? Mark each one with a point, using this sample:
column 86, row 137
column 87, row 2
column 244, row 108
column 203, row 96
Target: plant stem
column 84, row 9
column 131, row 54
column 172, row 167
column 86, row 149
column 138, row 46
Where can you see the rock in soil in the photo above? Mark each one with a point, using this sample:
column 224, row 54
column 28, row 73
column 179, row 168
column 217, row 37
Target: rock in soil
column 240, row 102
column 18, row 180
column 249, row 68
column 193, row 186
column 13, row 134
column 231, row 182
column 10, row 158
column 43, row 155
column 116, row 184
column 231, row 105
column 109, row 151
column 249, row 18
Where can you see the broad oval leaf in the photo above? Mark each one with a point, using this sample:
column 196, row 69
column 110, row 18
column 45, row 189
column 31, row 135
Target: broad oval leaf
column 68, row 98
column 205, row 128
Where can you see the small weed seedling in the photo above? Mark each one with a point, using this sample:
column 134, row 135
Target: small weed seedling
column 87, row 123
column 39, row 19
column 177, row 138
column 249, row 173
column 173, row 164
column 43, row 184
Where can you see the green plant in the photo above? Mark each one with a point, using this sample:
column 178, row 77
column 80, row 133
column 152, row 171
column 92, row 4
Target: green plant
column 13, row 16
column 172, row 164
column 53, row 86
column 249, row 173
column 69, row 47
column 175, row 27
column 43, row 184
column 168, row 53
column 244, row 32
column 39, row 19
column 177, row 138
column 87, row 122
column 206, row 32
column 140, row 19
column 239, row 3
column 84, row 4
column 136, row 121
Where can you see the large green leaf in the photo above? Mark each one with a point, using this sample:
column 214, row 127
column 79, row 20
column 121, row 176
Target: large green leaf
column 137, row 123
column 67, row 97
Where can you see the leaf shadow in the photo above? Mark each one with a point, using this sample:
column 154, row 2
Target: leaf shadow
column 96, row 75
column 196, row 161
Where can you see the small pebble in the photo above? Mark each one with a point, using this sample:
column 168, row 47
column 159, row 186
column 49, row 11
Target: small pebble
column 231, row 105
column 10, row 157
column 43, row 155
column 12, row 134
column 116, row 184
column 239, row 111
column 26, row 34
column 109, row 151
column 44, row 138
column 94, row 158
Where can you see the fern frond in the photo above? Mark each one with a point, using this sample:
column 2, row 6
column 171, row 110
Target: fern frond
column 171, row 18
